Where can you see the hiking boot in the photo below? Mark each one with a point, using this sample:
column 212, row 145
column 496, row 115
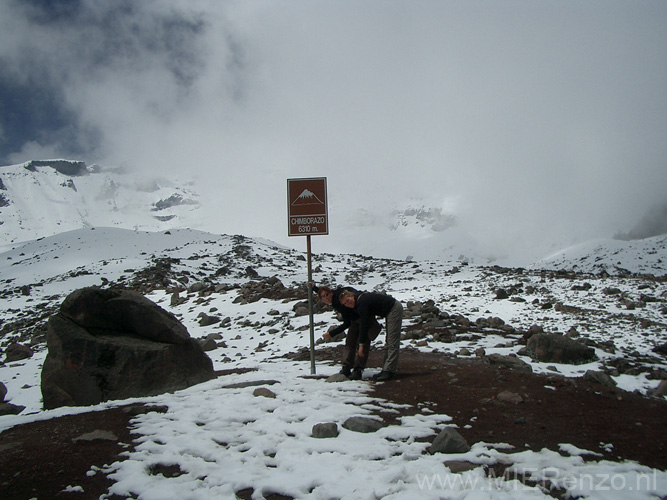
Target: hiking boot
column 356, row 374
column 383, row 376
column 346, row 370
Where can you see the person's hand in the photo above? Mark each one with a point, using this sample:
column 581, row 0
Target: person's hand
column 326, row 336
column 361, row 351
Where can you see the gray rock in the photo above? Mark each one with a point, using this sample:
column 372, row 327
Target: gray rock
column 301, row 311
column 509, row 397
column 264, row 392
column 208, row 320
column 533, row 330
column 661, row 349
column 362, row 424
column 659, row 391
column 116, row 344
column 251, row 383
column 17, row 352
column 197, row 287
column 325, row 430
column 3, row 392
column 251, row 272
column 65, row 167
column 449, row 441
column 209, row 344
column 509, row 361
column 10, row 409
column 122, row 312
column 458, row 466
column 553, row 348
column 96, row 435
column 600, row 378
column 337, row 377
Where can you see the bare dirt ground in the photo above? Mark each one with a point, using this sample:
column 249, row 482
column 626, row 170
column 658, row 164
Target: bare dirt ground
column 40, row 460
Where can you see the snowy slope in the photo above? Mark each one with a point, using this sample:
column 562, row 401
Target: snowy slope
column 45, row 198
column 53, row 267
column 645, row 256
column 42, row 201
column 223, row 439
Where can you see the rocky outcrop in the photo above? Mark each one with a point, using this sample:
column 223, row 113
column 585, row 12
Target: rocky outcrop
column 7, row 408
column 554, row 348
column 116, row 344
column 65, row 167
column 17, row 352
column 3, row 199
column 509, row 361
column 173, row 201
column 269, row 288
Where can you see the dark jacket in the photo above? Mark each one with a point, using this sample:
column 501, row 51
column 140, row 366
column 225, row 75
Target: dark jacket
column 367, row 306
column 348, row 315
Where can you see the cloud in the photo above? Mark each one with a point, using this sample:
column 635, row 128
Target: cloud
column 653, row 223
column 541, row 119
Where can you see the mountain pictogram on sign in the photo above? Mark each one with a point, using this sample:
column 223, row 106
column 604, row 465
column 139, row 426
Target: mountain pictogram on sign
column 307, row 197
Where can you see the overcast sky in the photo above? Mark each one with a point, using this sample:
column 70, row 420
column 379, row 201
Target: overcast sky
column 522, row 116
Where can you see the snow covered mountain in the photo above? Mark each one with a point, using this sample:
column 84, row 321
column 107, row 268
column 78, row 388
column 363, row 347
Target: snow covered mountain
column 615, row 257
column 43, row 198
column 48, row 197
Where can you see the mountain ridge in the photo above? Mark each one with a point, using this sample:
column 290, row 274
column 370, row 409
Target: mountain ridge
column 41, row 198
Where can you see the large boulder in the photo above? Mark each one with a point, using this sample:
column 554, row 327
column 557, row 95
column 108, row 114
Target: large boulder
column 17, row 352
column 117, row 344
column 554, row 348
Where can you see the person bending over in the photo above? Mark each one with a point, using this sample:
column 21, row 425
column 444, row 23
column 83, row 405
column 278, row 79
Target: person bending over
column 354, row 359
column 368, row 305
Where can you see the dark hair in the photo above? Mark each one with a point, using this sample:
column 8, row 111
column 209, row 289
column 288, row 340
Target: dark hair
column 324, row 290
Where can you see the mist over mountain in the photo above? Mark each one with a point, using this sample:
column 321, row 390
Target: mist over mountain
column 499, row 133
column 46, row 197
column 654, row 223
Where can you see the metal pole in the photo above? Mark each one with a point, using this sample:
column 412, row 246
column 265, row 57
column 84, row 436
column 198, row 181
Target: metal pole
column 310, row 307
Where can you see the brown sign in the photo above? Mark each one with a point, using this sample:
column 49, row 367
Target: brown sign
column 307, row 206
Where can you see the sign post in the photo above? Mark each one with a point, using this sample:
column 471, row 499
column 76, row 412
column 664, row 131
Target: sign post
column 307, row 214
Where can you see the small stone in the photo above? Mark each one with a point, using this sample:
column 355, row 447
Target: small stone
column 362, row 424
column 96, row 435
column 458, row 466
column 449, row 441
column 661, row 390
column 510, row 397
column 264, row 392
column 600, row 378
column 10, row 409
column 325, row 430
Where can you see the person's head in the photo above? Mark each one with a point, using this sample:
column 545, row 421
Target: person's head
column 347, row 299
column 325, row 294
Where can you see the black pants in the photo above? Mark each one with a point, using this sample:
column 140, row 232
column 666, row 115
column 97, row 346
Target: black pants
column 352, row 358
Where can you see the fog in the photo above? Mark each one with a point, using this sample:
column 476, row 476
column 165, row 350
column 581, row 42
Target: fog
column 531, row 122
